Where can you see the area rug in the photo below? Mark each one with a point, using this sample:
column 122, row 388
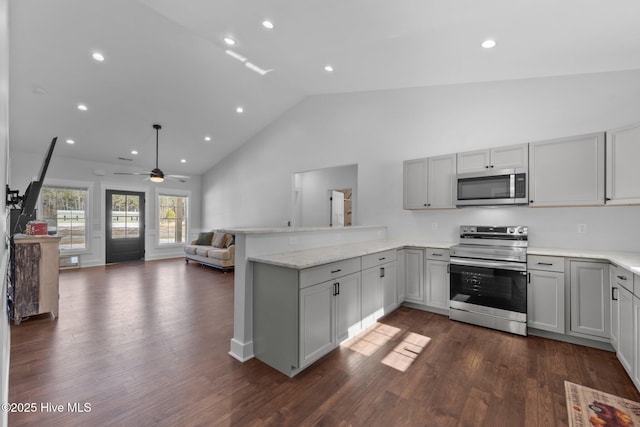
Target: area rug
column 589, row 407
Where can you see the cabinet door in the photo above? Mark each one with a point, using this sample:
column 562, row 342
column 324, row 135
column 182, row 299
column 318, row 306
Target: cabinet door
column 316, row 322
column 615, row 308
column 371, row 296
column 401, row 281
column 636, row 342
column 348, row 307
column 512, row 156
column 626, row 346
column 389, row 287
column 567, row 171
column 441, row 181
column 545, row 301
column 590, row 298
column 437, row 284
column 415, row 184
column 473, row 161
column 414, row 275
column 623, row 173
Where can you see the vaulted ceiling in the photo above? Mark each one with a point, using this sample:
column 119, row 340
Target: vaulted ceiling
column 166, row 62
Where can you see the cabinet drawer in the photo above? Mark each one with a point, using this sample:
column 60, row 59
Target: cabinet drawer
column 378, row 258
column 322, row 273
column 437, row 254
column 546, row 263
column 623, row 278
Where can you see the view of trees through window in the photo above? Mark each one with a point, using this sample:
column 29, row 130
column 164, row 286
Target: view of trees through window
column 125, row 216
column 65, row 210
column 172, row 218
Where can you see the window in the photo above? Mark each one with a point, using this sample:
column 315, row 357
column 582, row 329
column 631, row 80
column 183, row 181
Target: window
column 65, row 210
column 172, row 218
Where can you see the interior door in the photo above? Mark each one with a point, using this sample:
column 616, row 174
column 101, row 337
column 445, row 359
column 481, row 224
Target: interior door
column 124, row 226
column 337, row 208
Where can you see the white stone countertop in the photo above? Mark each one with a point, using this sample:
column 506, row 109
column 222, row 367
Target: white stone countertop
column 307, row 258
column 628, row 260
column 271, row 230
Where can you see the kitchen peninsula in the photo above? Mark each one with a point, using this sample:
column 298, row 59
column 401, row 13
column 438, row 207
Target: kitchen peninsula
column 352, row 277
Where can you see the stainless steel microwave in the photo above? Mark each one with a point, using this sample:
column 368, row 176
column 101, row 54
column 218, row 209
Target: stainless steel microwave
column 493, row 188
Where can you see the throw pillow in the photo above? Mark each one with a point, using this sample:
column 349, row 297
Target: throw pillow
column 204, row 238
column 218, row 241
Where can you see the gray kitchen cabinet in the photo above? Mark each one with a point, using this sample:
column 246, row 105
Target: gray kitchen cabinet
column 379, row 286
column 622, row 317
column 414, row 275
column 429, row 183
column 437, row 278
column 300, row 315
column 508, row 157
column 589, row 299
column 545, row 293
column 567, row 171
column 636, row 340
column 400, row 275
column 623, row 173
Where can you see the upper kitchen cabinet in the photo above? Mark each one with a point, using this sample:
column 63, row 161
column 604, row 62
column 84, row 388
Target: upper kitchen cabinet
column 509, row 157
column 567, row 171
column 430, row 183
column 623, row 173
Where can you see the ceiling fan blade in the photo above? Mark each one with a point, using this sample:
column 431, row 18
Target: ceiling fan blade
column 131, row 173
column 181, row 178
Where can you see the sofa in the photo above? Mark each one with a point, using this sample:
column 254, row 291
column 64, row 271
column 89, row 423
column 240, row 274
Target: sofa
column 215, row 249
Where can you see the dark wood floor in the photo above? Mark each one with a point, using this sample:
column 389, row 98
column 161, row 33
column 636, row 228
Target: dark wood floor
column 146, row 344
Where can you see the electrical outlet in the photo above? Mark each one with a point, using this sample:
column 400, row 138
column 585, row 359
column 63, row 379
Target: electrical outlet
column 293, row 241
column 434, row 226
column 582, row 228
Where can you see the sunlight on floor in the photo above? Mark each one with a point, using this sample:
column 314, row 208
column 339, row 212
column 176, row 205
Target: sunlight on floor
column 372, row 339
column 406, row 352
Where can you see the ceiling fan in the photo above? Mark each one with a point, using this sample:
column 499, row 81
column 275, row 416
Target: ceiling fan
column 156, row 174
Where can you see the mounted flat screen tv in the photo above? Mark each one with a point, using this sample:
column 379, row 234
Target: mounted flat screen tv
column 24, row 207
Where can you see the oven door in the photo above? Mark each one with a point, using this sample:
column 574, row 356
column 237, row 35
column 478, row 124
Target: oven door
column 498, row 286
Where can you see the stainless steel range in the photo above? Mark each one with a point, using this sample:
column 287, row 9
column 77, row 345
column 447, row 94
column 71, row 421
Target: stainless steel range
column 488, row 277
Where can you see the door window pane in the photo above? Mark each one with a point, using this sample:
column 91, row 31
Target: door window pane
column 125, row 216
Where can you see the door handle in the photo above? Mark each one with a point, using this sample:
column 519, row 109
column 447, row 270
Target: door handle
column 613, row 297
column 528, row 277
column 381, row 271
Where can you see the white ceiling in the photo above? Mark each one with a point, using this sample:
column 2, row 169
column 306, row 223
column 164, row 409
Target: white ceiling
column 166, row 63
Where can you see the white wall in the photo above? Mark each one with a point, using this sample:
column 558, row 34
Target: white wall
column 5, row 333
column 378, row 130
column 67, row 171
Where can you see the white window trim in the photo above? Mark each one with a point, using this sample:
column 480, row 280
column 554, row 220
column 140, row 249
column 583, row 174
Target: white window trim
column 88, row 226
column 161, row 191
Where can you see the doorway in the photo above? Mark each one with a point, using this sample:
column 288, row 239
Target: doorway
column 125, row 225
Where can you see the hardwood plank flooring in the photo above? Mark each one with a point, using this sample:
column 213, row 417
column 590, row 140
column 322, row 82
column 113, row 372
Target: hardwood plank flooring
column 147, row 344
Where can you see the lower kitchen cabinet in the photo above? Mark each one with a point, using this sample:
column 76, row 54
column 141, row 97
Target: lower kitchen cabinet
column 626, row 344
column 414, row 275
column 589, row 299
column 329, row 314
column 545, row 300
column 437, row 278
column 379, row 286
column 635, row 375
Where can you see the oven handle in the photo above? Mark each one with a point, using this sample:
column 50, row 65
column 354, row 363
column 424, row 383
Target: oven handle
column 489, row 264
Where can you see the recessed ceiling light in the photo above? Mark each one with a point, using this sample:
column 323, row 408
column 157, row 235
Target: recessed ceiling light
column 207, row 138
column 328, row 68
column 239, row 110
column 70, row 141
column 97, row 56
column 134, row 152
column 488, row 44
column 229, row 41
column 267, row 24
column 82, row 107
column 183, row 160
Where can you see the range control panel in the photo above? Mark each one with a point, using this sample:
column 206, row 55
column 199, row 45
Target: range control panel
column 494, row 231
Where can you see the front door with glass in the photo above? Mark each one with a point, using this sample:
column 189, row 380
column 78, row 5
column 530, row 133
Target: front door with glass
column 124, row 226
